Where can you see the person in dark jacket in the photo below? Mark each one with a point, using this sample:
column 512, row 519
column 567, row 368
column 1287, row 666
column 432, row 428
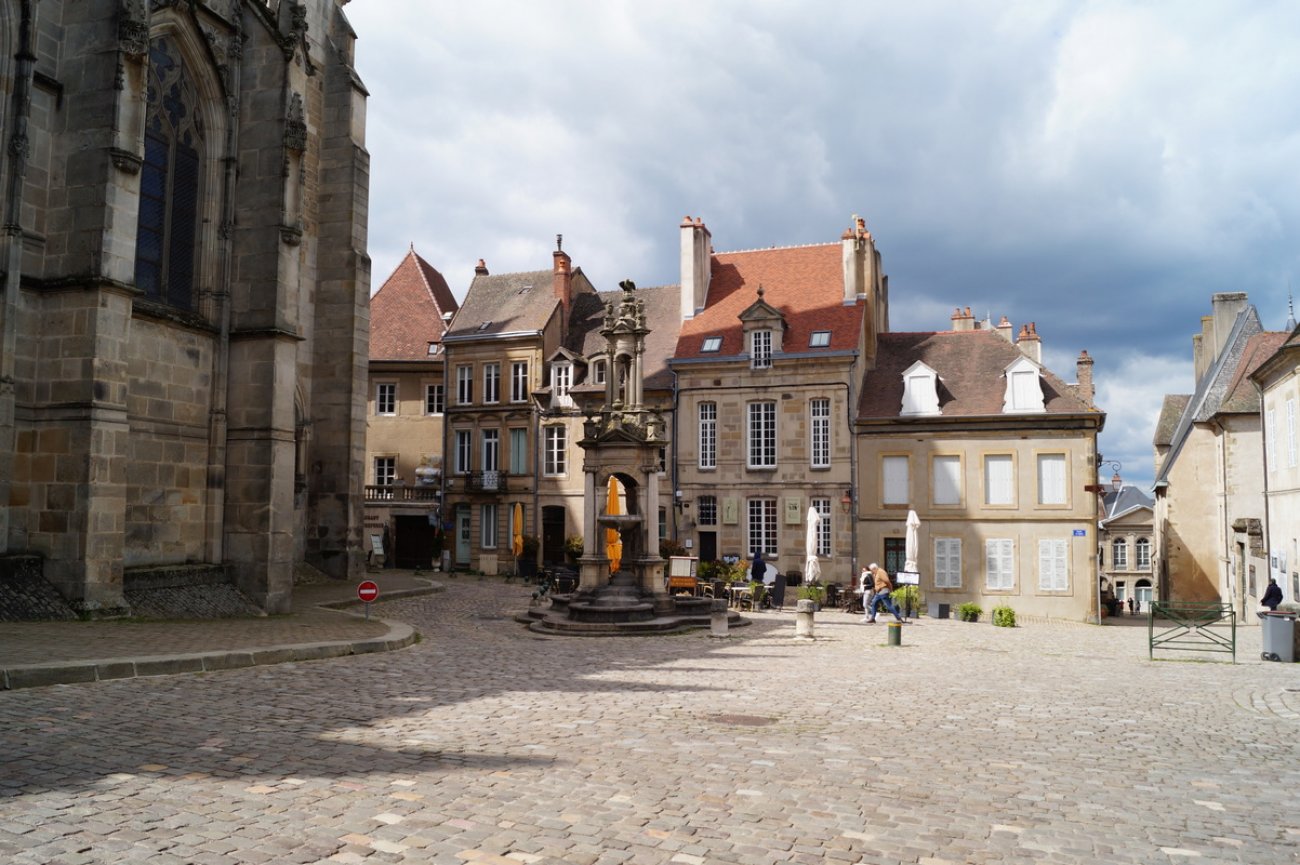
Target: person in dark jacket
column 1272, row 595
column 759, row 569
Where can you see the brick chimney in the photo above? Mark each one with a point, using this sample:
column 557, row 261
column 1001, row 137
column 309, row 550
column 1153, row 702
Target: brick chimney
column 861, row 263
column 481, row 268
column 962, row 320
column 562, row 276
column 1004, row 328
column 1029, row 342
column 696, row 265
column 1083, row 375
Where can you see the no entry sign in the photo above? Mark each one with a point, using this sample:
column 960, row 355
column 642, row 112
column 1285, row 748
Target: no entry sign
column 367, row 591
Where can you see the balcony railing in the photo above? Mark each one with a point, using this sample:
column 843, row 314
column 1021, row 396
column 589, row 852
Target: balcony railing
column 481, row 482
column 402, row 493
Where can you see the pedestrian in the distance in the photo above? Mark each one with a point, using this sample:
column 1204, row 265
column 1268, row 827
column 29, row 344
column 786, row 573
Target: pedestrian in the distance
column 866, row 588
column 1272, row 595
column 883, row 586
column 1132, row 608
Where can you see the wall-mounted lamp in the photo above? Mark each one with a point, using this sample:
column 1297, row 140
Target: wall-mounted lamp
column 846, row 500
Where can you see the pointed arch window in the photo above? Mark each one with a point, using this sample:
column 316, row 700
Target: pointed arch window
column 169, row 181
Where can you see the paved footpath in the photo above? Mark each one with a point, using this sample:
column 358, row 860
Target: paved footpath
column 485, row 743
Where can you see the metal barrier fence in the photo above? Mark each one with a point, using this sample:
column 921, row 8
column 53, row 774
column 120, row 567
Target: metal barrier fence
column 1192, row 627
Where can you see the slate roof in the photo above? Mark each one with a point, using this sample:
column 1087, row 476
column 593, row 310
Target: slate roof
column 1172, row 409
column 406, row 312
column 1127, row 500
column 970, row 365
column 508, row 302
column 805, row 282
column 1241, row 397
column 662, row 316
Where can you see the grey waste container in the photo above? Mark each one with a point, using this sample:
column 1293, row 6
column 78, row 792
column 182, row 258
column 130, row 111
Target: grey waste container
column 1277, row 636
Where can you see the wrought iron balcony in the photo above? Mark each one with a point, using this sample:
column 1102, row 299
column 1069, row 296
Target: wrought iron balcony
column 482, row 482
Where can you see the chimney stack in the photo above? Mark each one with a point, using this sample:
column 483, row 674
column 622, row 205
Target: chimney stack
column 562, row 277
column 481, row 268
column 1004, row 328
column 695, row 266
column 1083, row 373
column 962, row 321
column 1029, row 343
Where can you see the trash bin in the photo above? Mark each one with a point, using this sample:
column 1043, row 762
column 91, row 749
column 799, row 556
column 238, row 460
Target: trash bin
column 1277, row 636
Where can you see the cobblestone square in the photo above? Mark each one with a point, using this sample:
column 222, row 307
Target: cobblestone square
column 484, row 743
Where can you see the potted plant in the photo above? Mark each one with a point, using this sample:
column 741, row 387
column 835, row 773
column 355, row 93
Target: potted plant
column 814, row 592
column 528, row 559
column 907, row 599
column 969, row 611
column 573, row 548
column 1004, row 617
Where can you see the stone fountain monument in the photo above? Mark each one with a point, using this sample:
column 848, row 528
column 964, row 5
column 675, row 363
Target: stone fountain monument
column 622, row 439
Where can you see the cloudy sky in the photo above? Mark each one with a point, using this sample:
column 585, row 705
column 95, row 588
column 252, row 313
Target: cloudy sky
column 1099, row 168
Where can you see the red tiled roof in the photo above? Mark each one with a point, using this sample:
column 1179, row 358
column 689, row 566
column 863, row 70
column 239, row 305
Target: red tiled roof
column 805, row 282
column 406, row 312
column 970, row 365
column 1242, row 396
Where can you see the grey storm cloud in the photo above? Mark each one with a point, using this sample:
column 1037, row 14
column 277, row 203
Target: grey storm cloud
column 1099, row 168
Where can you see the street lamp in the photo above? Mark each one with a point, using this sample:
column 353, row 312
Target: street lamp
column 846, row 501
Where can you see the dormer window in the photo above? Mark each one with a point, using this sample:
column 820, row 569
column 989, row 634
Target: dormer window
column 1024, row 387
column 920, row 390
column 598, row 372
column 562, row 378
column 760, row 349
column 819, row 339
column 711, row 343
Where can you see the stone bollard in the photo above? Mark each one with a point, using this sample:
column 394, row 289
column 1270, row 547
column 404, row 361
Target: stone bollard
column 895, row 633
column 718, row 621
column 803, row 620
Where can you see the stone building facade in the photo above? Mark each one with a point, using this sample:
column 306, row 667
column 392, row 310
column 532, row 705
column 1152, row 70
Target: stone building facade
column 183, row 326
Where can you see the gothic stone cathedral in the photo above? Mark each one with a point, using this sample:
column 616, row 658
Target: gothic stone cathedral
column 183, row 321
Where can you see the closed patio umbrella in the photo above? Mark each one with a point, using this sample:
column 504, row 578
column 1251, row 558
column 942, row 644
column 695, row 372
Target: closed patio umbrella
column 910, row 543
column 613, row 541
column 812, row 569
column 519, row 530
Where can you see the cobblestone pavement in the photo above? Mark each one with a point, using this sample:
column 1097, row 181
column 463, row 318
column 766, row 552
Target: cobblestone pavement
column 485, row 743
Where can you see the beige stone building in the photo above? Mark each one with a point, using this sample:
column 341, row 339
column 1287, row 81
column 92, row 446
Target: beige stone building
column 183, row 319
column 1209, row 487
column 404, row 413
column 1124, row 547
column 1278, row 379
column 998, row 457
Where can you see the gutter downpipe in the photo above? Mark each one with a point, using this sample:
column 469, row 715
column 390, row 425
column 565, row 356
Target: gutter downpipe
column 1263, row 447
column 19, row 146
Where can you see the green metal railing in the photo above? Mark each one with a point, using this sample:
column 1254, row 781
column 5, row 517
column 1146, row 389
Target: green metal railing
column 1192, row 627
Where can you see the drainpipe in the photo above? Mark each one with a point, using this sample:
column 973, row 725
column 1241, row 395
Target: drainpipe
column 20, row 109
column 673, row 444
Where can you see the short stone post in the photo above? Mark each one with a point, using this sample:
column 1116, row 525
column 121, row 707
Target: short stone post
column 803, row 620
column 895, row 634
column 718, row 621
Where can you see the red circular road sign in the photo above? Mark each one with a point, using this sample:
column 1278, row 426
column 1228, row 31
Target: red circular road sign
column 367, row 591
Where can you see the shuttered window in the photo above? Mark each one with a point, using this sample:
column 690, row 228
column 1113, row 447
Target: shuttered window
column 1051, row 479
column 999, row 482
column 947, row 563
column 1053, row 565
column 947, row 480
column 999, row 563
column 896, row 475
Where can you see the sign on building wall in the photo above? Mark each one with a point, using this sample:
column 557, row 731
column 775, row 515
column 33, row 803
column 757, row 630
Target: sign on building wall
column 730, row 512
column 793, row 511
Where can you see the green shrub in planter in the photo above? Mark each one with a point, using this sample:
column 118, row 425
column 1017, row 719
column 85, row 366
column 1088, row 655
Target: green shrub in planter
column 969, row 612
column 907, row 599
column 1004, row 617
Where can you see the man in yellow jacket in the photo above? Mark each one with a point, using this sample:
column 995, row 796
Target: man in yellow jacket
column 883, row 587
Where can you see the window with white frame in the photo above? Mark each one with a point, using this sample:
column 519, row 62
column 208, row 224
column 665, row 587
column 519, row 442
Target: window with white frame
column 1051, row 479
column 464, row 384
column 385, row 471
column 947, row 479
column 557, row 451
column 1143, row 549
column 518, row 451
column 491, row 382
column 386, row 398
column 433, row 399
column 947, row 563
column 519, row 381
column 464, row 451
column 598, row 371
column 819, row 421
column 487, row 516
column 762, row 526
column 491, row 450
column 896, row 480
column 1119, row 553
column 1053, row 565
column 999, row 563
column 708, row 435
column 999, row 480
column 760, row 349
column 823, row 508
column 561, row 378
column 707, row 510
column 1270, row 435
column 1290, row 433
column 762, row 435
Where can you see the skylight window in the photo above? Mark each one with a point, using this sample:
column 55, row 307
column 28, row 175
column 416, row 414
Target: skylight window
column 485, row 325
column 819, row 339
column 712, row 343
